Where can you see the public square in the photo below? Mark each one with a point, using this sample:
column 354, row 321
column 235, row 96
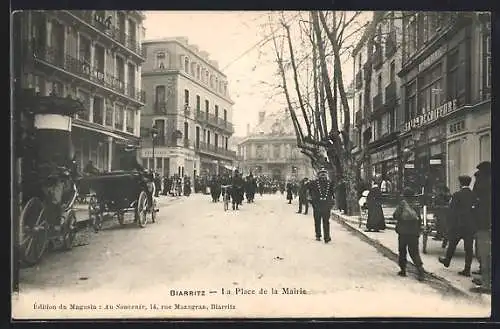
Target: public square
column 196, row 246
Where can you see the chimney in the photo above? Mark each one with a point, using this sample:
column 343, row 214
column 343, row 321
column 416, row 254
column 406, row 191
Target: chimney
column 262, row 116
column 248, row 129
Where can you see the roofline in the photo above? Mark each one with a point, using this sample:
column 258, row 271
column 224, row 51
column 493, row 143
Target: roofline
column 173, row 39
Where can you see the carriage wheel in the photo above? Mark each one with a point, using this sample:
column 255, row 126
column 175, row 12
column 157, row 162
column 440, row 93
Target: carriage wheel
column 153, row 211
column 121, row 218
column 142, row 209
column 33, row 232
column 70, row 231
column 95, row 216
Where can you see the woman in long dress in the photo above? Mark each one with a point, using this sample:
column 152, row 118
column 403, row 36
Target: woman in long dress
column 376, row 220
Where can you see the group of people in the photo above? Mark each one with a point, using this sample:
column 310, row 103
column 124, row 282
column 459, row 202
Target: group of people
column 174, row 186
column 236, row 186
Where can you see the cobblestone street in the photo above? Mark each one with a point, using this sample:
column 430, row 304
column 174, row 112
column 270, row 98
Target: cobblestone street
column 196, row 246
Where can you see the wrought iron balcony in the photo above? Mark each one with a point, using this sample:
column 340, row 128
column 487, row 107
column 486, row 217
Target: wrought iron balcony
column 84, row 69
column 212, row 149
column 106, row 27
column 214, row 121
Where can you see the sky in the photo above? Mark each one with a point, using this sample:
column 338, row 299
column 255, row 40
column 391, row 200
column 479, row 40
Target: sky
column 235, row 40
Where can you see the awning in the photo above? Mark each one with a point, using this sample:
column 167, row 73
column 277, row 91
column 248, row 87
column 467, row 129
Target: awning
column 104, row 132
column 229, row 167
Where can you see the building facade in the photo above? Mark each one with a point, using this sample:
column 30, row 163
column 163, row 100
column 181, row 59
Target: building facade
column 429, row 118
column 376, row 121
column 190, row 107
column 271, row 149
column 446, row 85
column 93, row 56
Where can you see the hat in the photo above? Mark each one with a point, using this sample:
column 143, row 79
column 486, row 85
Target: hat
column 484, row 166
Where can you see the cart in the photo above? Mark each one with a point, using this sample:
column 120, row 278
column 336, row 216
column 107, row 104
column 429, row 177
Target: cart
column 117, row 192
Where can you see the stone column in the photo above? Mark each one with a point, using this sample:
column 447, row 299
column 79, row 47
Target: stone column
column 91, row 108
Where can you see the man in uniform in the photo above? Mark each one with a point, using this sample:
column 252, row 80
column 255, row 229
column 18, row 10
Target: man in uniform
column 322, row 196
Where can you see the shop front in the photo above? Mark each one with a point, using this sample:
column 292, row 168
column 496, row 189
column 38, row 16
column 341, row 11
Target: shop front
column 384, row 163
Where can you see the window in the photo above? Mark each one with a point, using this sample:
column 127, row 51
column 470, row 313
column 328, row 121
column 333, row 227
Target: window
column 359, row 62
column 186, row 97
column 430, row 94
column 216, row 140
column 208, row 137
column 227, row 139
column 360, row 102
column 186, row 65
column 385, row 124
column 487, row 60
column 276, row 151
column 453, row 75
column 57, row 89
column 84, row 51
column 259, row 152
column 85, row 99
column 161, row 60
column 109, row 114
column 119, row 116
column 198, row 103
column 216, row 111
column 410, row 33
column 207, row 107
column 225, row 115
column 411, row 101
column 392, row 76
column 198, row 70
column 160, row 95
column 130, row 120
column 379, row 85
column 186, row 131
column 98, row 110
column 216, row 84
column 225, row 89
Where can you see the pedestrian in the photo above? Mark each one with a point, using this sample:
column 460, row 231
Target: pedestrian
column 237, row 187
column 289, row 192
column 461, row 224
column 408, row 226
column 482, row 190
column 322, row 197
column 303, row 196
column 376, row 220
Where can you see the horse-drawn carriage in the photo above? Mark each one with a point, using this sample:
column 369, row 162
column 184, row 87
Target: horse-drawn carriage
column 114, row 193
column 48, row 179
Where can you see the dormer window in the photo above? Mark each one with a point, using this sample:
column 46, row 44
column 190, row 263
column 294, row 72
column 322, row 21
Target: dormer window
column 161, row 60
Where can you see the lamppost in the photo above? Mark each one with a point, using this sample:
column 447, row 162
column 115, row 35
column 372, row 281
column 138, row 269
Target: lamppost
column 154, row 134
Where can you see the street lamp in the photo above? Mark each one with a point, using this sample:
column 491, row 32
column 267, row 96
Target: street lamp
column 154, row 134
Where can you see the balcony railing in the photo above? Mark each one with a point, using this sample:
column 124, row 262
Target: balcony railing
column 377, row 103
column 390, row 44
column 202, row 146
column 390, row 93
column 377, row 58
column 215, row 121
column 359, row 79
column 117, row 34
column 84, row 69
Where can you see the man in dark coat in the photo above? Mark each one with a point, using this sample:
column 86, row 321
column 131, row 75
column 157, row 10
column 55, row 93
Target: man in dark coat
column 322, row 196
column 303, row 196
column 408, row 227
column 376, row 219
column 237, row 188
column 215, row 188
column 250, row 188
column 461, row 224
column 289, row 192
column 482, row 190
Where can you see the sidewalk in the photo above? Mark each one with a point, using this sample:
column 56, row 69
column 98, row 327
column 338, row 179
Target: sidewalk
column 388, row 239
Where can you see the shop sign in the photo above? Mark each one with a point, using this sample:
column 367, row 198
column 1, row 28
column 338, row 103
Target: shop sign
column 384, row 155
column 431, row 116
column 432, row 58
column 435, row 161
column 158, row 154
column 409, row 166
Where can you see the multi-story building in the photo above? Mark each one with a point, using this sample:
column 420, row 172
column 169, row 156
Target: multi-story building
column 190, row 107
column 446, row 85
column 271, row 149
column 376, row 122
column 94, row 56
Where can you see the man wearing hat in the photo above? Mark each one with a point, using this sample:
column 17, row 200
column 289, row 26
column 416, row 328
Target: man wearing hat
column 482, row 190
column 322, row 195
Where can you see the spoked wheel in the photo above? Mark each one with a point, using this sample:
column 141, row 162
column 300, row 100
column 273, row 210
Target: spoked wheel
column 69, row 231
column 95, row 215
column 142, row 209
column 154, row 210
column 33, row 232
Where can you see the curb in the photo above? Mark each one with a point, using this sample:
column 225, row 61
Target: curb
column 436, row 281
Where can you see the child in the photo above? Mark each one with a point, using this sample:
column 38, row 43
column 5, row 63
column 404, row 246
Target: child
column 408, row 230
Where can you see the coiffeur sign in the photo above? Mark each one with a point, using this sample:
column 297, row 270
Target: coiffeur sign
column 431, row 116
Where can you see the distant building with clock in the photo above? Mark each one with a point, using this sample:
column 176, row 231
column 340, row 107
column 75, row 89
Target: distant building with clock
column 271, row 149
